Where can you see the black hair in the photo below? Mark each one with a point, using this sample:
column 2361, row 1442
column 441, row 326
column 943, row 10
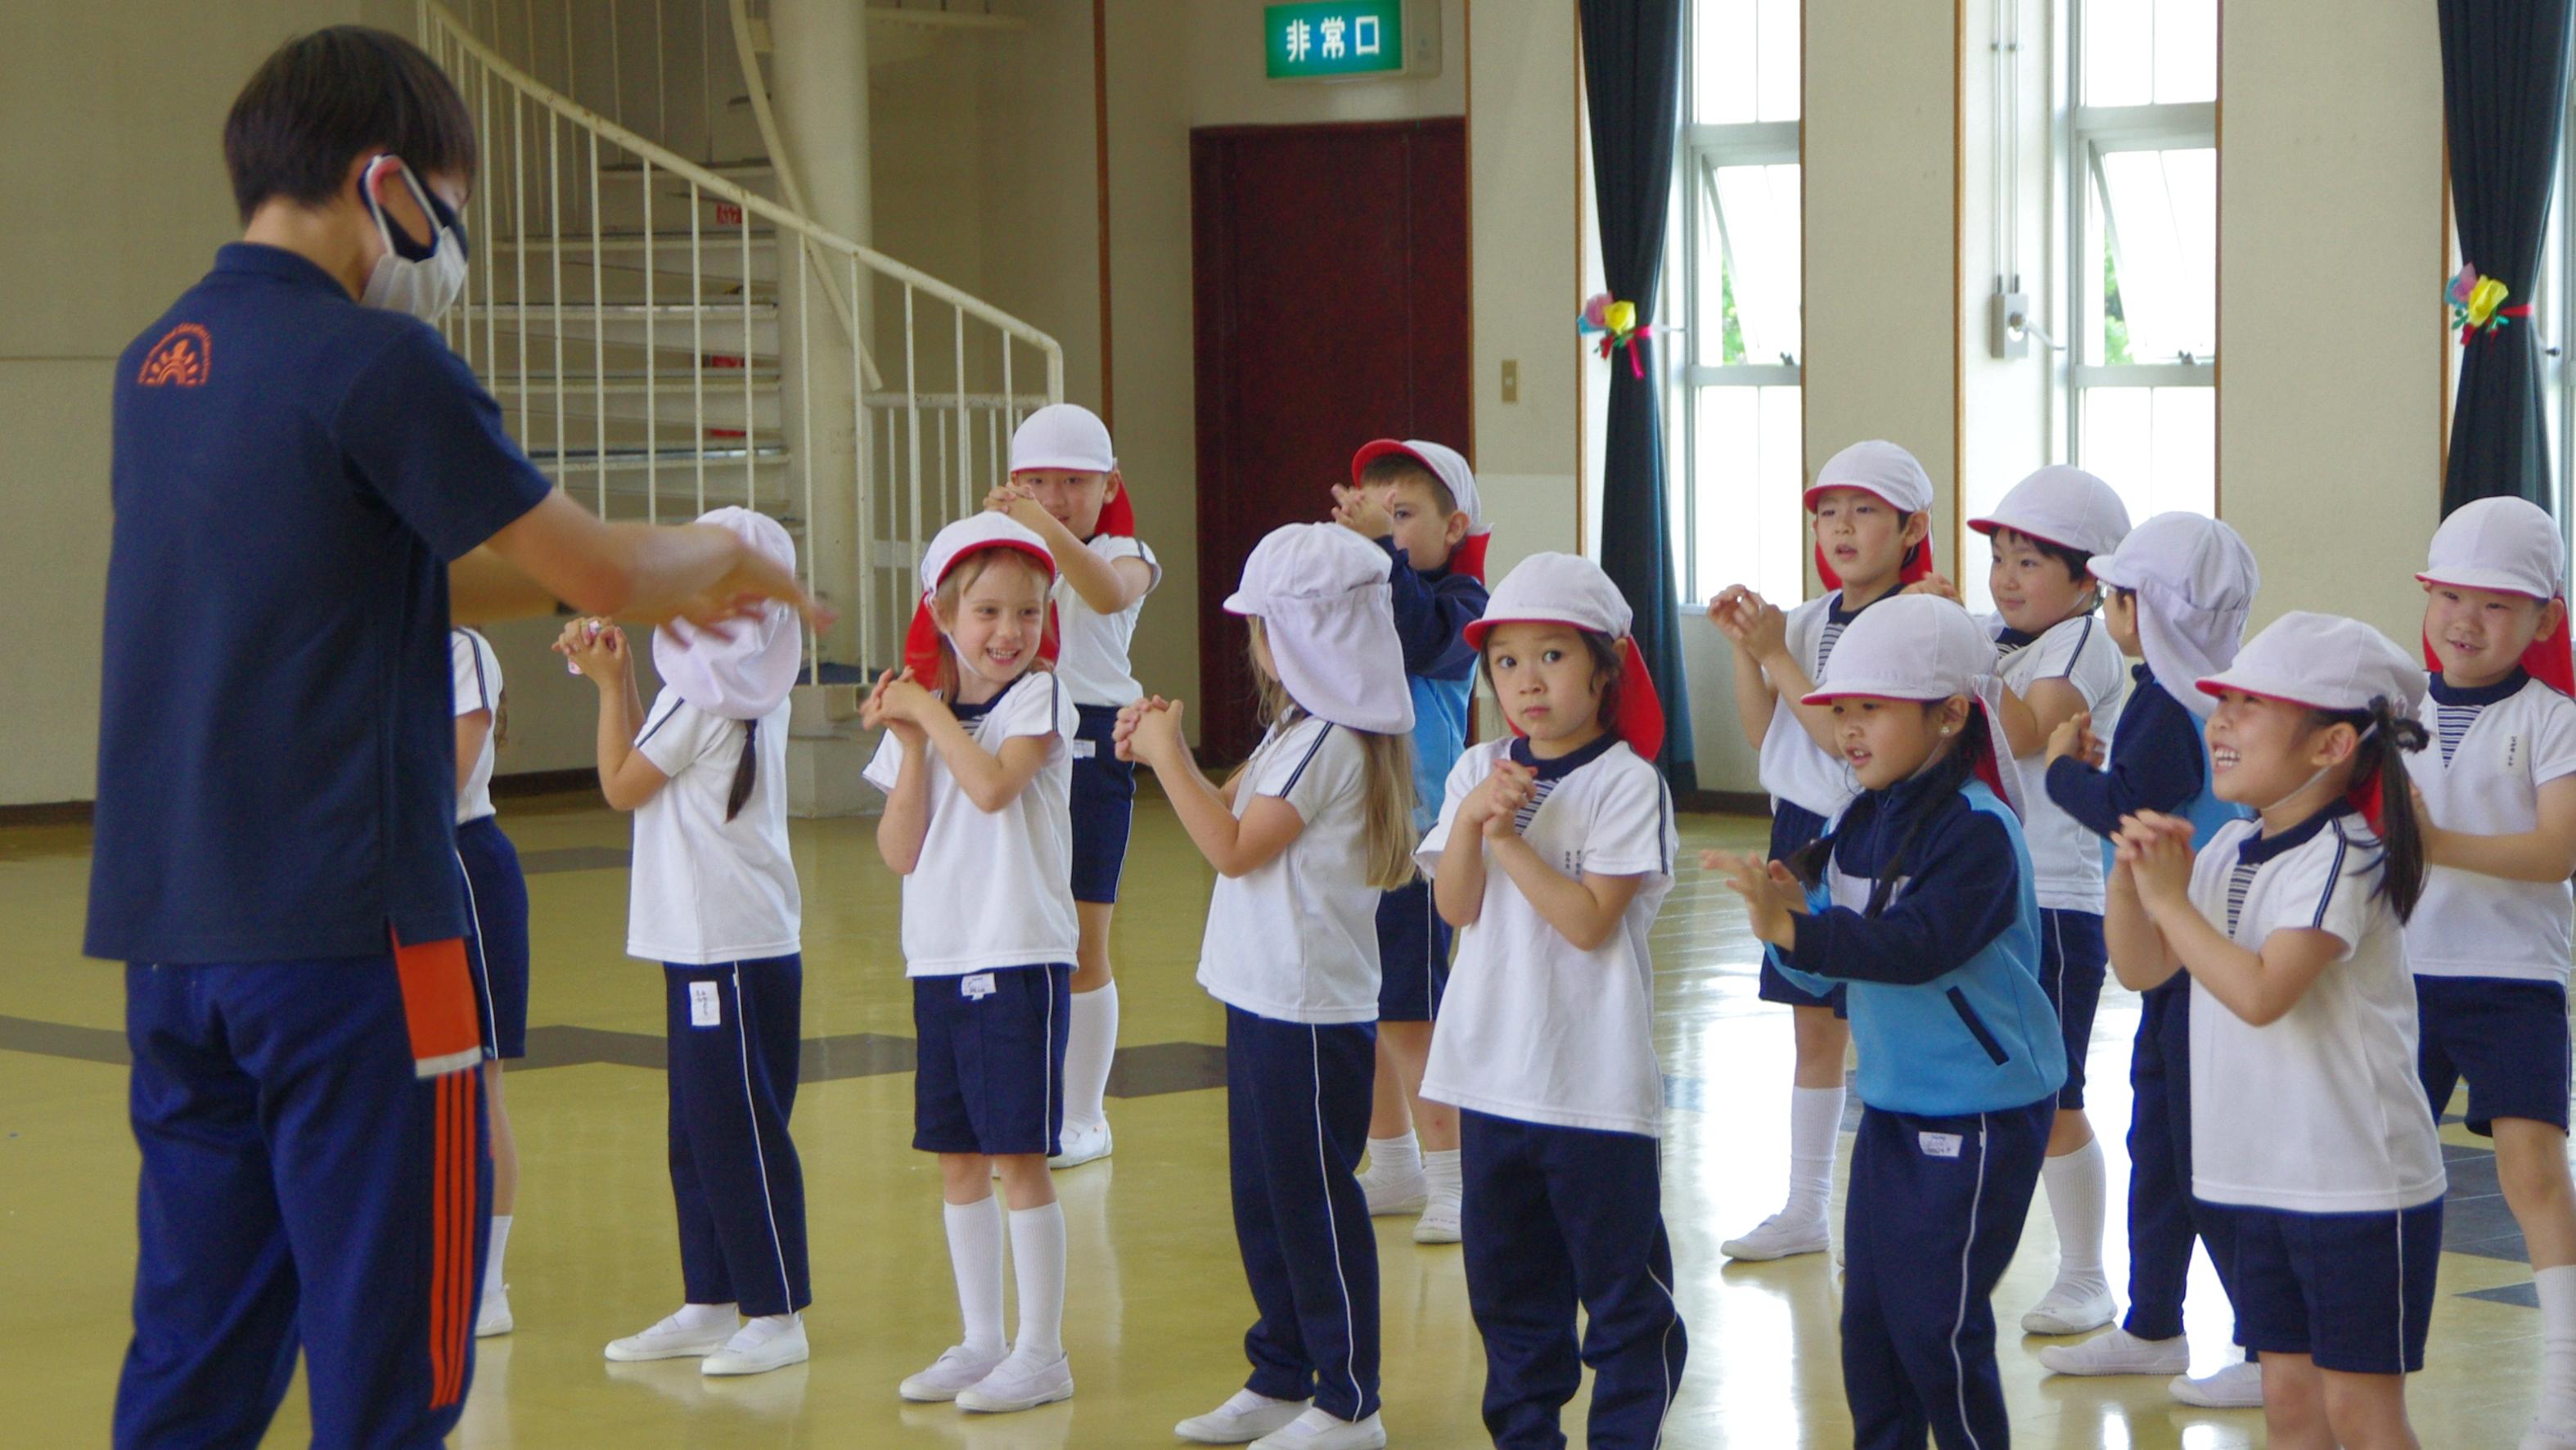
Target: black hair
column 1949, row 775
column 2075, row 560
column 1400, row 467
column 1606, row 668
column 322, row 100
column 746, row 771
column 2386, row 736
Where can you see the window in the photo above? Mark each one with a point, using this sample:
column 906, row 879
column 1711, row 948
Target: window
column 2142, row 151
column 1738, row 432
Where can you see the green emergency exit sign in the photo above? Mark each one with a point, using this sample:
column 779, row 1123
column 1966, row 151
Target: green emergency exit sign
column 1335, row 39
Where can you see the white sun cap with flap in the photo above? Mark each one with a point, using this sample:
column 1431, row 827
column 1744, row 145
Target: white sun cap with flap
column 1327, row 609
column 2325, row 662
column 2195, row 580
column 747, row 672
column 2510, row 545
column 1066, row 437
column 1923, row 647
column 1571, row 590
column 2063, row 506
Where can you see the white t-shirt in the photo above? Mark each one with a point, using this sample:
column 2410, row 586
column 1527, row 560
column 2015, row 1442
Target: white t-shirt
column 1296, row 939
column 1793, row 766
column 1531, row 1027
column 1091, row 654
column 2320, row 1112
column 707, row 890
column 478, row 687
column 2482, row 774
column 993, row 889
column 2065, row 858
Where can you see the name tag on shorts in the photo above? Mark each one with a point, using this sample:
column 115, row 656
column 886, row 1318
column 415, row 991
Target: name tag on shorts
column 1085, row 749
column 706, row 1008
column 1940, row 1145
column 976, row 987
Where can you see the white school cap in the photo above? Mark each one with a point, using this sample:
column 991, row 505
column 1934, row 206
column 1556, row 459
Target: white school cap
column 2322, row 661
column 1327, row 611
column 2063, row 506
column 1062, row 436
column 971, row 534
column 747, row 672
column 1924, row 647
column 1571, row 590
column 2506, row 544
column 1878, row 467
column 2195, row 580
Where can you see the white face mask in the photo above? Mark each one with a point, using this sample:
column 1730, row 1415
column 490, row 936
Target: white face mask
column 409, row 278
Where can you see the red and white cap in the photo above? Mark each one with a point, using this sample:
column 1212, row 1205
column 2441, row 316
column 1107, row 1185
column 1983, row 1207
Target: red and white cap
column 1450, row 467
column 1877, row 467
column 2063, row 506
column 1571, row 590
column 2512, row 546
column 1327, row 612
column 1925, row 648
column 746, row 672
column 2327, row 662
column 970, row 535
column 1070, row 438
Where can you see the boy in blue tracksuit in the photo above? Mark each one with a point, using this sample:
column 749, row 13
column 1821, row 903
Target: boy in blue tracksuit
column 1920, row 899
column 1418, row 501
column 2180, row 586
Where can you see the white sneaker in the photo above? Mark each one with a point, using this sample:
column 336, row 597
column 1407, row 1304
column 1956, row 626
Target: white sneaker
column 1316, row 1430
column 1240, row 1420
column 1389, row 1195
column 957, row 1370
column 2119, row 1352
column 1439, row 1221
column 494, row 1317
column 1081, row 1145
column 2075, row 1309
column 773, row 1341
column 1781, row 1237
column 2237, row 1387
column 1019, row 1383
column 679, row 1336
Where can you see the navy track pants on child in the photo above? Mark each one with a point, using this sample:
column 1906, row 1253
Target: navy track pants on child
column 735, row 1178
column 315, row 1175
column 1934, row 1215
column 2163, row 1216
column 1297, row 1111
column 1554, row 1217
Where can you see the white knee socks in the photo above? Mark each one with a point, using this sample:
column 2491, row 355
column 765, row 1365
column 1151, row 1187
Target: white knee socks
column 1037, row 1262
column 2077, row 1191
column 1091, row 1042
column 2557, row 1399
column 1815, row 1120
column 975, row 1253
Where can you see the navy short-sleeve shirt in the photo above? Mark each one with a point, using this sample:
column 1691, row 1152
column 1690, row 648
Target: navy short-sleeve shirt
column 276, row 756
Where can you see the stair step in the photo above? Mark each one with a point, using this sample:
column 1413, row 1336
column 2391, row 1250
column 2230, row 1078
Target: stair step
column 546, row 312
column 633, row 384
column 637, row 458
column 711, row 238
column 715, row 326
column 741, row 169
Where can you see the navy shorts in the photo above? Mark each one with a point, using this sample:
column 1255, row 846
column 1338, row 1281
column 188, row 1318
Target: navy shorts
column 989, row 1077
column 2072, row 960
column 1104, row 805
column 2352, row 1291
column 1413, row 954
column 2507, row 1037
column 1792, row 827
column 497, row 952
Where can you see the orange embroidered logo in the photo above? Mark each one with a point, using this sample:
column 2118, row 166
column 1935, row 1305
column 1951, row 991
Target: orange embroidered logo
column 179, row 359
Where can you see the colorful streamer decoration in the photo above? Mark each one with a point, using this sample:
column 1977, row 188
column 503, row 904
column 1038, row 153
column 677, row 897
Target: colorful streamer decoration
column 1616, row 324
column 2477, row 304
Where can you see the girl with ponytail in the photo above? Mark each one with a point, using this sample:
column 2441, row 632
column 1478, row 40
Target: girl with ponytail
column 714, row 899
column 2313, row 1145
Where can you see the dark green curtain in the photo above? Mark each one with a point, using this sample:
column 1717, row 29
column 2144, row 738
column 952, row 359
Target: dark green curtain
column 2504, row 92
column 1632, row 72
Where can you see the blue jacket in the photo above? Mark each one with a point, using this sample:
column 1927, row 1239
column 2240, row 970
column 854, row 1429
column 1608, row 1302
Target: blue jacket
column 1945, row 996
column 2159, row 762
column 1432, row 611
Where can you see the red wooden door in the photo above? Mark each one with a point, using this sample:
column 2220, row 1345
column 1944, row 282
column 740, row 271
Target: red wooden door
column 1330, row 277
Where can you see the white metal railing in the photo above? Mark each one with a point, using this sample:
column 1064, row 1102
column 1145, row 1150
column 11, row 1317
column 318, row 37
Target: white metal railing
column 650, row 328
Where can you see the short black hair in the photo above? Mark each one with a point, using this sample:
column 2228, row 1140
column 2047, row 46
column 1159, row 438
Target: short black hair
column 322, row 100
column 2075, row 560
column 1393, row 468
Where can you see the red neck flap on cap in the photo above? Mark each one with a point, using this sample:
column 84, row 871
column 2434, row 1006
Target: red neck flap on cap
column 1990, row 767
column 1638, row 715
column 2551, row 661
column 1469, row 557
column 1118, row 516
column 921, row 642
column 1917, row 566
